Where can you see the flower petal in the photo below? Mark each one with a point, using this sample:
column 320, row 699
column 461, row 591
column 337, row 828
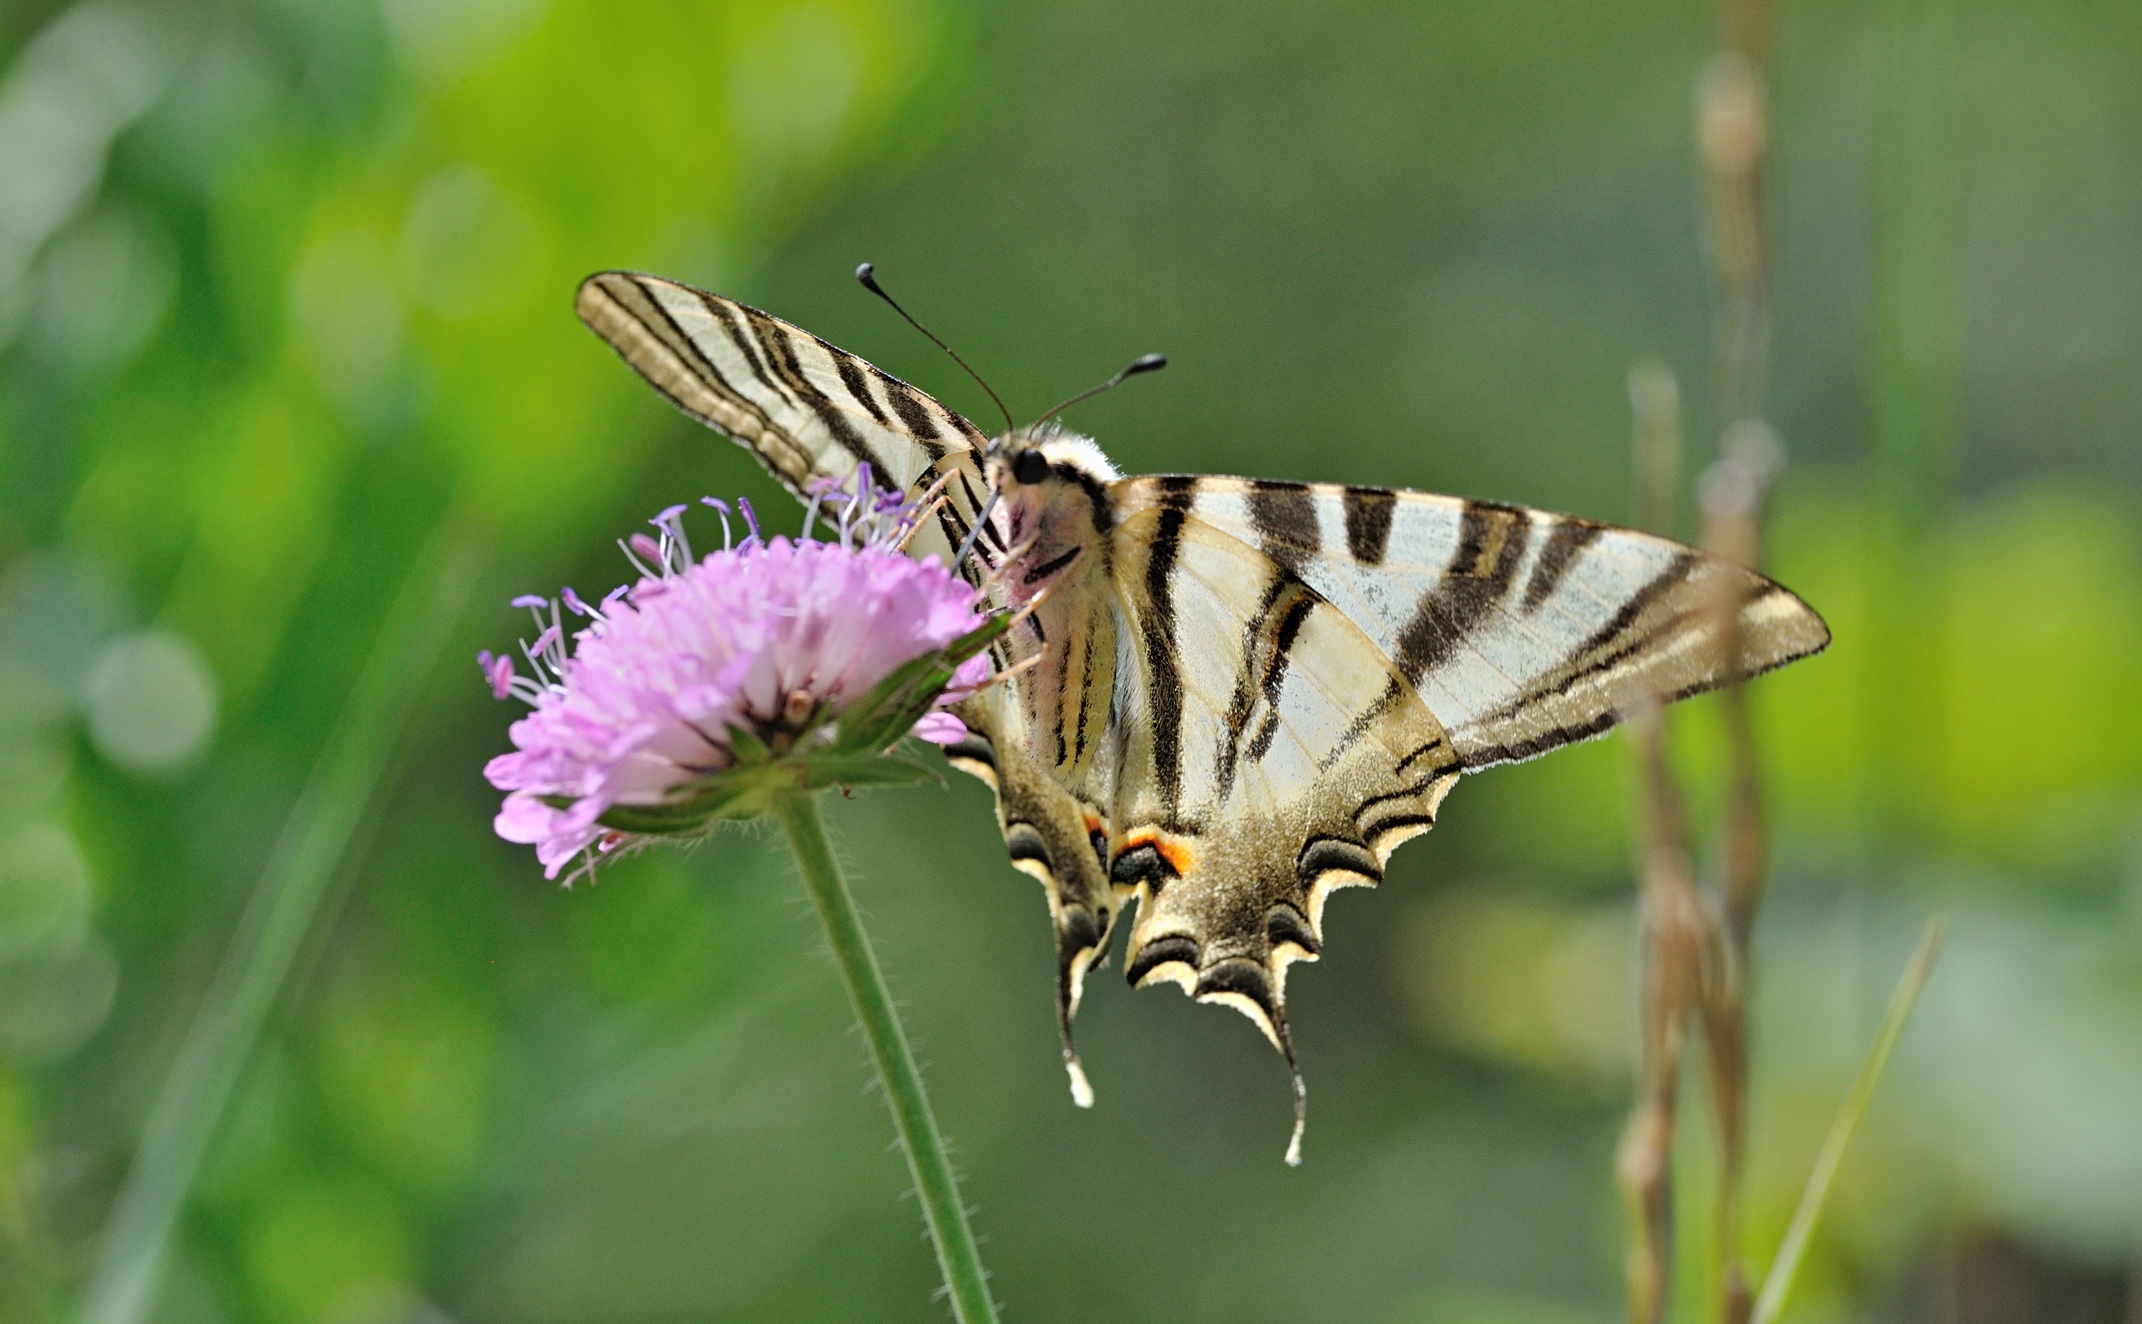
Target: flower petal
column 941, row 728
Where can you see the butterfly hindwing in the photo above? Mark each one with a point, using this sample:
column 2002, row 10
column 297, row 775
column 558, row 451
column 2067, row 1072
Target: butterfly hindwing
column 1052, row 837
column 1277, row 754
column 807, row 409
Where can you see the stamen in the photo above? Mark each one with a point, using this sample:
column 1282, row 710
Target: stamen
column 554, row 652
column 646, row 572
column 676, row 548
column 721, row 508
column 751, row 518
column 535, row 664
column 909, row 527
column 575, row 605
column 499, row 671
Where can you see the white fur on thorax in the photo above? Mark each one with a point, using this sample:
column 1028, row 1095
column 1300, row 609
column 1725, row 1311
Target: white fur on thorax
column 1081, row 452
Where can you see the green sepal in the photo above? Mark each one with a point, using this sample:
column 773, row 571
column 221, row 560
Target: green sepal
column 686, row 815
column 745, row 747
column 893, row 705
column 749, row 790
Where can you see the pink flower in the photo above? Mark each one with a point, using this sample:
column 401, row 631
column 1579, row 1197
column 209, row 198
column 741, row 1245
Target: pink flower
column 777, row 640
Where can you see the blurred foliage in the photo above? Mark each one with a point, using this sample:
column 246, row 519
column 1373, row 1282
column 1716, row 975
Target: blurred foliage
column 284, row 282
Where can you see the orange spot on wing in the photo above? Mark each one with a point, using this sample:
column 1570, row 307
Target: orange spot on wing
column 1179, row 854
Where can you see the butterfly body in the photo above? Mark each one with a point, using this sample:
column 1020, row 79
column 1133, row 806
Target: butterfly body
column 1228, row 697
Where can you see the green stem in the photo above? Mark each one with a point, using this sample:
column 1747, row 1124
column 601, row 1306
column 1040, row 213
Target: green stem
column 185, row 1118
column 1777, row 1285
column 927, row 1163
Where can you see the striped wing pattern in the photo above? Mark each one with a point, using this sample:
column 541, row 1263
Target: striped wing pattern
column 1281, row 754
column 1317, row 665
column 1522, row 630
column 807, row 409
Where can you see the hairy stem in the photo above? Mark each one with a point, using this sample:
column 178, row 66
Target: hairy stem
column 920, row 1140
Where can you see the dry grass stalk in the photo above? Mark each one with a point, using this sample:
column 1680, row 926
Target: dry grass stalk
column 1695, row 948
column 1678, row 949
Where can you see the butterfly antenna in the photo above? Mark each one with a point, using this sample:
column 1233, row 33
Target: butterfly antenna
column 867, row 274
column 1145, row 363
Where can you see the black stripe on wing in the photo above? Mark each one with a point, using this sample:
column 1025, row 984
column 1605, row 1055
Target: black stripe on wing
column 1368, row 522
column 619, row 307
column 1284, row 516
column 1491, row 541
column 1569, row 537
column 752, row 375
column 1267, row 643
column 781, row 356
column 1164, row 684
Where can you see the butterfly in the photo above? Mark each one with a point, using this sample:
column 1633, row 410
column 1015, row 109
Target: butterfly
column 1230, row 697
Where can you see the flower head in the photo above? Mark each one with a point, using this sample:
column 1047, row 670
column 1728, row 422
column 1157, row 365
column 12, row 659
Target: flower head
column 692, row 693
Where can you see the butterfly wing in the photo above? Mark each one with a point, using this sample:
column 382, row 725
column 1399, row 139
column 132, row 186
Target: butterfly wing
column 1522, row 630
column 808, row 410
column 1276, row 753
column 1054, row 837
column 811, row 411
column 1316, row 666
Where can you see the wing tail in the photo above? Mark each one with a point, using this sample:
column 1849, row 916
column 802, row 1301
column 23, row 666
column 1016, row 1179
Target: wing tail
column 1058, row 842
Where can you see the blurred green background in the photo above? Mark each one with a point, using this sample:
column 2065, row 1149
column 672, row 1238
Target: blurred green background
column 285, row 290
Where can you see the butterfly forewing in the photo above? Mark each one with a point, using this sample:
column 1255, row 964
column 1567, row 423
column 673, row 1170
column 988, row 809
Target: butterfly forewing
column 807, row 409
column 1522, row 630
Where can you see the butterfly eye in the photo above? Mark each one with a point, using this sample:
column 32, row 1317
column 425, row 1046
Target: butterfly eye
column 1030, row 467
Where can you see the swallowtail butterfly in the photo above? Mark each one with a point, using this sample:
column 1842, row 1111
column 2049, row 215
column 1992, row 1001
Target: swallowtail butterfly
column 1238, row 695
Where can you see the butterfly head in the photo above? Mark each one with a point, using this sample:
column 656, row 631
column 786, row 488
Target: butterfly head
column 1051, row 489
